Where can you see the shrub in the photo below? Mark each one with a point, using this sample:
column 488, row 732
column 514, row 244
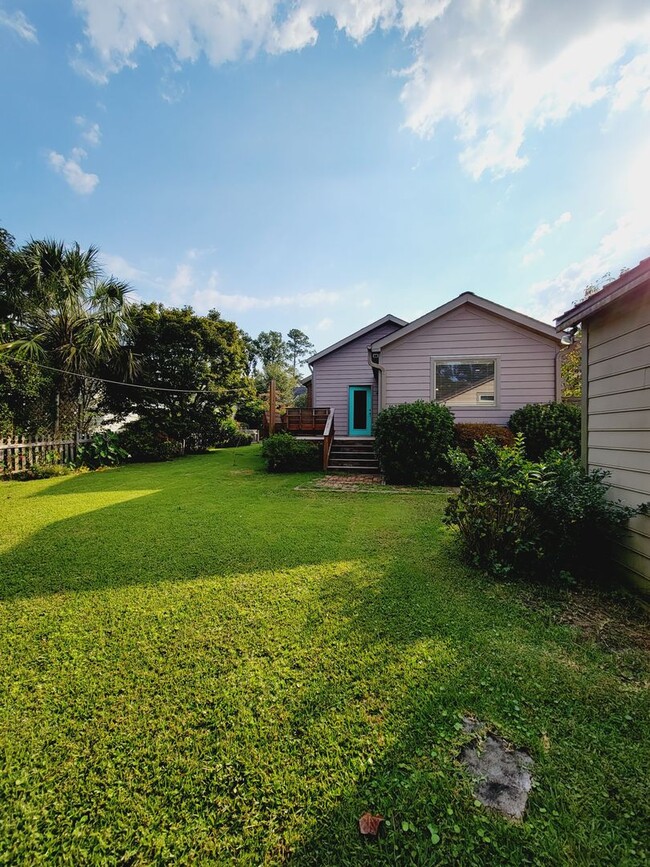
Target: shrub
column 103, row 450
column 412, row 441
column 229, row 435
column 143, row 442
column 467, row 434
column 286, row 454
column 545, row 520
column 39, row 471
column 547, row 426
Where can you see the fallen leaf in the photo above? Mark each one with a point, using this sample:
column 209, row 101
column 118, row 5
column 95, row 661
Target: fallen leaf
column 369, row 825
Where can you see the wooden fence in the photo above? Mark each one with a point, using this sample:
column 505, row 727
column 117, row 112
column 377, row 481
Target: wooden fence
column 20, row 453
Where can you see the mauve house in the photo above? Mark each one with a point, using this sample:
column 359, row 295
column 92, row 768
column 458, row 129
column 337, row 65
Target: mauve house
column 482, row 360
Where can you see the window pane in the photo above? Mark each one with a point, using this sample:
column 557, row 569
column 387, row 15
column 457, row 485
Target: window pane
column 360, row 409
column 465, row 383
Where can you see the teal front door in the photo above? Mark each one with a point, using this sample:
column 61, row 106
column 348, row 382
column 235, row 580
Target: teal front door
column 360, row 411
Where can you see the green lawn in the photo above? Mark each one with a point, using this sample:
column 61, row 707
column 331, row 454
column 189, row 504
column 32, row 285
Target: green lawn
column 200, row 664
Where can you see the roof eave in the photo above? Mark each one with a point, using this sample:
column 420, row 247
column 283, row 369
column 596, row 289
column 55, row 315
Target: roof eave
column 627, row 282
column 492, row 307
column 356, row 335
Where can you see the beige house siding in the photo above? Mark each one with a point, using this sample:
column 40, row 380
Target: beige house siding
column 526, row 362
column 617, row 397
column 333, row 374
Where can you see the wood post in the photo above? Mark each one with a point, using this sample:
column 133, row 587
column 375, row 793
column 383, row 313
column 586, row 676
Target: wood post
column 272, row 400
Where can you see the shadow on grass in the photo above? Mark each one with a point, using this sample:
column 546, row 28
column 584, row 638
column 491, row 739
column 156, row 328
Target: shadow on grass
column 443, row 643
column 352, row 706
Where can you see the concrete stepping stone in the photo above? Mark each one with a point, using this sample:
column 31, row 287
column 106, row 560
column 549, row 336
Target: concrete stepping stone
column 503, row 774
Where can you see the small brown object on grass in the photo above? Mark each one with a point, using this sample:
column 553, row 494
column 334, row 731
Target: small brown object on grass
column 370, row 825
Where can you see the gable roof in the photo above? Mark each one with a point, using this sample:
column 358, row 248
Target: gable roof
column 476, row 301
column 607, row 295
column 359, row 333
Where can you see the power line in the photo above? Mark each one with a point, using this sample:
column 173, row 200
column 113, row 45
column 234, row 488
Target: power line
column 118, row 382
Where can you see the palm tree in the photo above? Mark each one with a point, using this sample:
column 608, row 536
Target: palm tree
column 69, row 316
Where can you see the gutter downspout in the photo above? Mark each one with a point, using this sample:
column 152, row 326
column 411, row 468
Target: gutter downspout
column 380, row 371
column 313, row 384
column 567, row 341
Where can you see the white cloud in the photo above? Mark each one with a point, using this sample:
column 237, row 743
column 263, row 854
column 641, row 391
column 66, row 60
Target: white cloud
column 501, row 70
column 187, row 286
column 19, row 24
column 183, row 278
column 212, row 297
column 496, row 70
column 77, row 179
column 623, row 246
column 544, row 229
column 325, row 324
column 122, row 269
column 533, row 256
column 633, row 84
column 91, row 132
column 200, row 252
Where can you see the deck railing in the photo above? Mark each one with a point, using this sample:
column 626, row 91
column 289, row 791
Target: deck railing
column 299, row 421
column 310, row 420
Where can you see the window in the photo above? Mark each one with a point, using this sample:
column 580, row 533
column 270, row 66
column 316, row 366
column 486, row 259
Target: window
column 465, row 381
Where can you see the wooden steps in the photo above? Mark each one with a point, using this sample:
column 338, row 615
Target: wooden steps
column 353, row 456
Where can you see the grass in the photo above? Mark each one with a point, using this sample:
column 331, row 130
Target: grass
column 201, row 664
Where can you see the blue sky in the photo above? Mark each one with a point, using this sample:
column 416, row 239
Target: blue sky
column 319, row 164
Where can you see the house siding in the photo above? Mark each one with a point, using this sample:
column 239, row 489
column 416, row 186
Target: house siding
column 333, row 374
column 526, row 362
column 617, row 398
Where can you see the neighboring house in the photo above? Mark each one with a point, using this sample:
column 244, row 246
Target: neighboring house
column 615, row 325
column 481, row 359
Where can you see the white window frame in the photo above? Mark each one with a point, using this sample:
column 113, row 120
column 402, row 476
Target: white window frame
column 468, row 359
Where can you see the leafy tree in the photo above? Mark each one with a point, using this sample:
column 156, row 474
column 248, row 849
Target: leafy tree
column 60, row 310
column 572, row 369
column 177, row 349
column 285, row 382
column 251, row 349
column 26, row 396
column 299, row 346
column 571, row 359
column 271, row 348
column 27, row 399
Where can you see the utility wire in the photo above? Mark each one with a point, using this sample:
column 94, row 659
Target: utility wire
column 117, row 382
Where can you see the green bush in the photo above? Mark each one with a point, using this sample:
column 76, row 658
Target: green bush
column 545, row 521
column 39, row 471
column 102, row 450
column 412, row 441
column 229, row 434
column 144, row 442
column 547, row 426
column 286, row 454
column 467, row 434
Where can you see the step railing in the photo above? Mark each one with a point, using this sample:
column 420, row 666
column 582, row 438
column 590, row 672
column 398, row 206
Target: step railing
column 328, row 438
